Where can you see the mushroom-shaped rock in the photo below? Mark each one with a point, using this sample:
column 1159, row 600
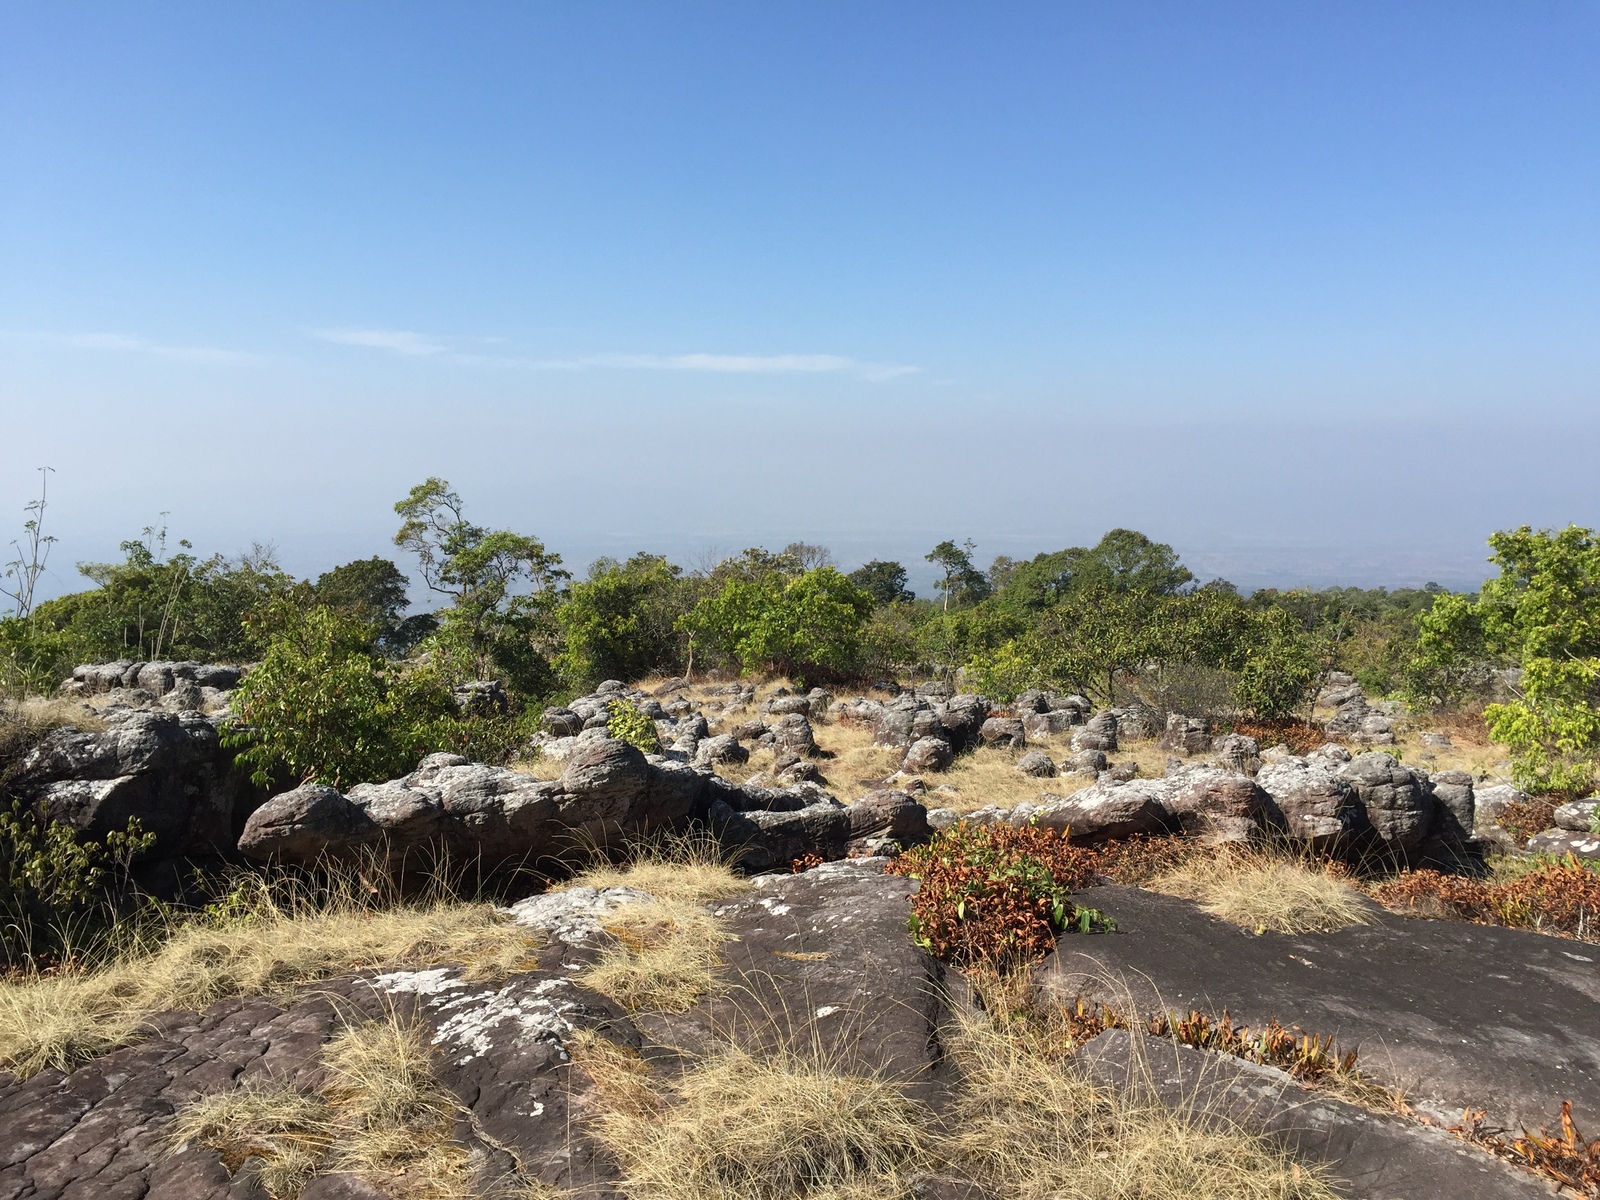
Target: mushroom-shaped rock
column 792, row 732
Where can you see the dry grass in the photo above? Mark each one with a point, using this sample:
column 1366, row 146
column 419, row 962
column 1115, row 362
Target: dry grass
column 264, row 944
column 1029, row 1127
column 739, row 1127
column 49, row 711
column 1260, row 891
column 664, row 955
column 381, row 1114
column 678, row 868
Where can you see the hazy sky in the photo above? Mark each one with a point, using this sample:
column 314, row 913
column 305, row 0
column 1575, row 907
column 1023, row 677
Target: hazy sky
column 1311, row 291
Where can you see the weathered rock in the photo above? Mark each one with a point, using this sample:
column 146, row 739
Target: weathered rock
column 792, row 732
column 1561, row 842
column 1489, row 802
column 1399, row 805
column 1453, row 792
column 1037, row 764
column 1105, row 810
column 481, row 696
column 1238, row 753
column 1098, row 733
column 724, row 748
column 1085, row 762
column 1137, row 721
column 1003, row 731
column 962, row 718
column 1444, row 1008
column 1051, row 723
column 1383, row 1156
column 166, row 770
column 1185, row 735
column 1219, row 806
column 1318, row 805
column 1578, row 816
column 779, row 706
column 928, row 754
column 1358, row 722
column 1124, row 771
column 819, row 701
column 935, row 689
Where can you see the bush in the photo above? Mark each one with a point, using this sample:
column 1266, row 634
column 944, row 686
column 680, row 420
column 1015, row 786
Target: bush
column 996, row 894
column 621, row 622
column 808, row 626
column 627, row 724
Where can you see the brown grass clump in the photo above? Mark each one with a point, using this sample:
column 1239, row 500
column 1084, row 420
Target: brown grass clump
column 677, row 868
column 260, row 943
column 1553, row 897
column 1032, row 1128
column 381, row 1114
column 663, row 956
column 1257, row 891
column 740, row 1127
column 1299, row 737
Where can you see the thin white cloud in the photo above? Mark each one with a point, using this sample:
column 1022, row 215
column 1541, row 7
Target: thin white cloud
column 401, row 341
column 129, row 344
column 418, row 345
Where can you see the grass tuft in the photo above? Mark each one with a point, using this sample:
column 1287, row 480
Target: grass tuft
column 1261, row 892
column 262, row 941
column 663, row 956
column 740, row 1127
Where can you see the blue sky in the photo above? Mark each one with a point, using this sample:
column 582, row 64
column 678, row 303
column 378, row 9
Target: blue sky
column 1310, row 291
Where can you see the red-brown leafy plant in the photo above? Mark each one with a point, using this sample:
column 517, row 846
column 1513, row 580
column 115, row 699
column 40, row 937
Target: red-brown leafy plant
column 996, row 893
column 1560, row 897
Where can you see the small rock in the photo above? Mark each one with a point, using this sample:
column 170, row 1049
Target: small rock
column 1037, row 764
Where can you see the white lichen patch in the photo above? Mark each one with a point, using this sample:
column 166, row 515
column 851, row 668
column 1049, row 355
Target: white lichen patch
column 478, row 1020
column 576, row 914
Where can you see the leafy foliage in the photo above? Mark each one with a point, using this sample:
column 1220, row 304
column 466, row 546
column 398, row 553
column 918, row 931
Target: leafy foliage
column 885, row 582
column 321, row 706
column 807, row 626
column 622, row 622
column 1560, row 897
column 494, row 626
column 627, row 724
column 996, row 894
column 373, row 591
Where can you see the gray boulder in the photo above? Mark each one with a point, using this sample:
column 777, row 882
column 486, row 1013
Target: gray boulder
column 166, row 770
column 1457, row 816
column 1003, row 731
column 1398, row 802
column 724, row 748
column 1105, row 810
column 1098, row 733
column 928, row 754
column 1185, row 735
column 792, row 732
column 1490, row 802
column 1037, row 765
column 1561, row 842
column 1219, row 806
column 1239, row 753
column 1578, row 816
column 1318, row 805
column 1051, row 723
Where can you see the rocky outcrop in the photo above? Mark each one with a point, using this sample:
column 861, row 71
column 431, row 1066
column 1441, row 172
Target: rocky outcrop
column 1398, row 802
column 1318, row 805
column 1103, row 811
column 1220, row 806
column 1098, row 733
column 927, row 754
column 1359, row 723
column 1185, row 735
column 608, row 793
column 166, row 770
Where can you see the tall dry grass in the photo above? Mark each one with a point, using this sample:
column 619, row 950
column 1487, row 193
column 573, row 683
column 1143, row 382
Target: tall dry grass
column 380, row 1114
column 267, row 938
column 1259, row 890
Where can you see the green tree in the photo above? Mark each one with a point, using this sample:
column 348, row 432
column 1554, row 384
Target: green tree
column 373, row 591
column 807, row 627
column 622, row 622
column 490, row 623
column 1542, row 612
column 323, row 707
column 961, row 582
column 885, row 582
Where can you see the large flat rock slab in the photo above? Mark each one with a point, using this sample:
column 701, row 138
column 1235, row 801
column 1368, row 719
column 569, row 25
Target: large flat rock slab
column 1370, row 1155
column 1458, row 1014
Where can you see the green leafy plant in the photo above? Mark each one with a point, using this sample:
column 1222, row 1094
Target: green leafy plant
column 807, row 626
column 627, row 724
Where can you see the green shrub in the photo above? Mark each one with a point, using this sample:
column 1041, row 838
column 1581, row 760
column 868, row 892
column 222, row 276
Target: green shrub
column 627, row 724
column 621, row 623
column 808, row 626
